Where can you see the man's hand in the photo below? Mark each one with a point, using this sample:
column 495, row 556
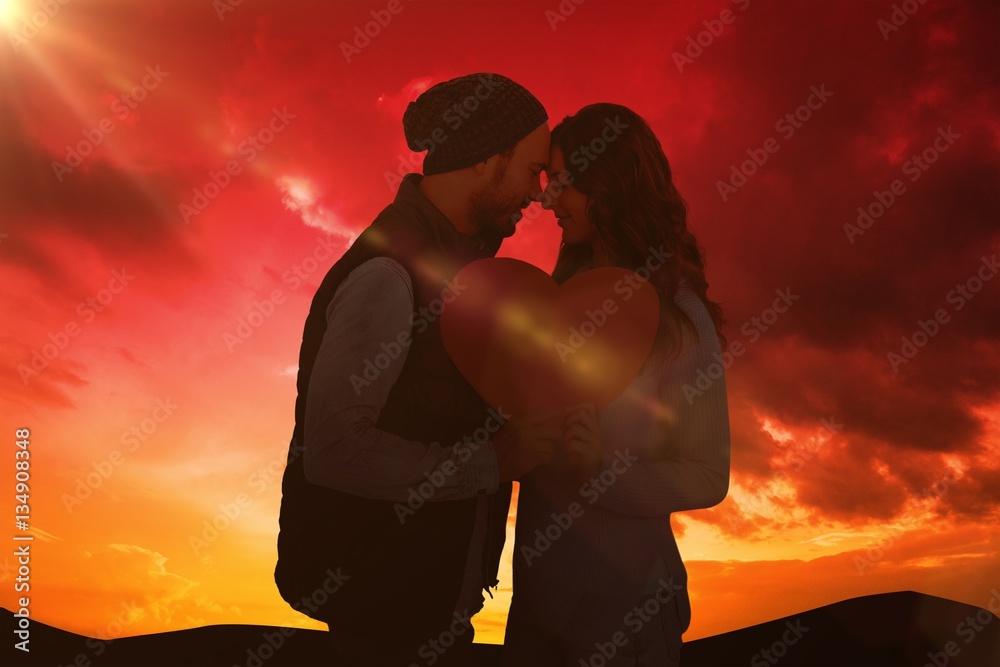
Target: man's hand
column 526, row 442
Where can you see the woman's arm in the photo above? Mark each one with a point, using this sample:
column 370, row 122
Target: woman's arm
column 694, row 427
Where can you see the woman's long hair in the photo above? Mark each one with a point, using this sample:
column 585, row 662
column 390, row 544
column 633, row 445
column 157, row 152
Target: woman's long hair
column 634, row 206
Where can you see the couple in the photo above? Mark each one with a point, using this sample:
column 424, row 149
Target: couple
column 384, row 417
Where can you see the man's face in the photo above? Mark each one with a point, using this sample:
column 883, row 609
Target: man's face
column 513, row 185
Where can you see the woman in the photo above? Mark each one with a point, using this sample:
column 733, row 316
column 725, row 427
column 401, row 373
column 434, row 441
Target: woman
column 598, row 579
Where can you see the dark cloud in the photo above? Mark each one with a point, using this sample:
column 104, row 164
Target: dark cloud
column 784, row 229
column 121, row 213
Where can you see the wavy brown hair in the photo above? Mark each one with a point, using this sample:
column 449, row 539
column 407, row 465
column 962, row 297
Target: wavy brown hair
column 634, row 205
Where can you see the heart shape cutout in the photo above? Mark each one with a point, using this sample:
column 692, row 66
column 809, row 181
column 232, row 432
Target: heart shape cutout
column 527, row 344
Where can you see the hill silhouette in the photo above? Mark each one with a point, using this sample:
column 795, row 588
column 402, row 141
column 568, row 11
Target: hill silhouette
column 904, row 629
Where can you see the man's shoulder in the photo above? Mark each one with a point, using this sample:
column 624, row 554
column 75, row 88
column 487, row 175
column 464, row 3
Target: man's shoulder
column 395, row 231
column 377, row 279
column 391, row 235
column 382, row 272
column 389, row 245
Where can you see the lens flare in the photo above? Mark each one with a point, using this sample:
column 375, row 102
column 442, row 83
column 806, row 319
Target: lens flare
column 9, row 14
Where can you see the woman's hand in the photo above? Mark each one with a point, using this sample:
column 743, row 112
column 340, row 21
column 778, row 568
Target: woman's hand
column 582, row 439
column 526, row 442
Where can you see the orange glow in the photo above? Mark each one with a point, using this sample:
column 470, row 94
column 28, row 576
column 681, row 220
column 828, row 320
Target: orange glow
column 157, row 281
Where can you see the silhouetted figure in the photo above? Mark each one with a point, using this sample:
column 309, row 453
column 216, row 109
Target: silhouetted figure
column 611, row 588
column 394, row 505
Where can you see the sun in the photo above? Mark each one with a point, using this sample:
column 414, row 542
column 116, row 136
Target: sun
column 9, row 13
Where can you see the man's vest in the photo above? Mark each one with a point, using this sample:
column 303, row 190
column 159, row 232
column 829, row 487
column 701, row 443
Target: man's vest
column 351, row 556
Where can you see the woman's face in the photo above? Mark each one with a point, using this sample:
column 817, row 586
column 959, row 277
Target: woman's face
column 568, row 203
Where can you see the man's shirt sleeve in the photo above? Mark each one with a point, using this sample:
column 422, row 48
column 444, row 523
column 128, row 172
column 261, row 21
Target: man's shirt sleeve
column 359, row 360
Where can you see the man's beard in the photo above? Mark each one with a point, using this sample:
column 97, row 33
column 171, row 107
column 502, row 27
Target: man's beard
column 493, row 210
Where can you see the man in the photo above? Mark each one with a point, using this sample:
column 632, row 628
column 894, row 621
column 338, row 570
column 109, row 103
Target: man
column 394, row 504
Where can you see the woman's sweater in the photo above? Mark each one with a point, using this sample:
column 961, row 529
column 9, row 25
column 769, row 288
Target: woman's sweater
column 593, row 549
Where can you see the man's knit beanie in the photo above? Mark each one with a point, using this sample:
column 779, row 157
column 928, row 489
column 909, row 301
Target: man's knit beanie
column 466, row 120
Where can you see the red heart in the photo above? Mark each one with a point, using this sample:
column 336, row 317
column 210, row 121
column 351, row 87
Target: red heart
column 527, row 344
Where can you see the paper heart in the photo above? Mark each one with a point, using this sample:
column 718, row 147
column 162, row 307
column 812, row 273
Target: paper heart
column 526, row 344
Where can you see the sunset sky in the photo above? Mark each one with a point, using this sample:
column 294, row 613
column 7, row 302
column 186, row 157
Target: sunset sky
column 859, row 464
